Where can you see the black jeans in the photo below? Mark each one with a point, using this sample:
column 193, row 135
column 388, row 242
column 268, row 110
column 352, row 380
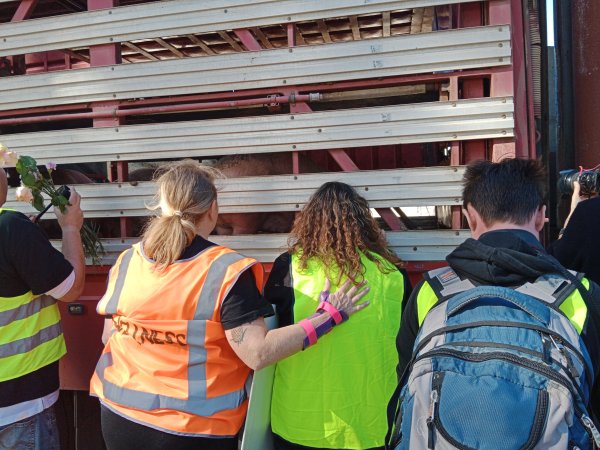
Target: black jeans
column 122, row 434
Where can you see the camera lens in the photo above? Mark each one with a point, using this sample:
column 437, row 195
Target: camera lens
column 566, row 179
column 589, row 181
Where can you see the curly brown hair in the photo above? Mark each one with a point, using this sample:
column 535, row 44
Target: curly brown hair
column 336, row 227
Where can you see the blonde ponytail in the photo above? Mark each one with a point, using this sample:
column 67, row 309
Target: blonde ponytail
column 186, row 191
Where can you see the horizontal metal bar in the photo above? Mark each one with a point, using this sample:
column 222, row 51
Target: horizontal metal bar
column 485, row 118
column 430, row 186
column 409, row 245
column 178, row 17
column 391, row 56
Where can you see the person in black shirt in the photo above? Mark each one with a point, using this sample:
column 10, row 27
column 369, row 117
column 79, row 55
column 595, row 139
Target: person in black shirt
column 33, row 275
column 578, row 245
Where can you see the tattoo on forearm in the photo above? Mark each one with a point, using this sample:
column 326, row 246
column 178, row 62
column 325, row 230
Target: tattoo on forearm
column 237, row 335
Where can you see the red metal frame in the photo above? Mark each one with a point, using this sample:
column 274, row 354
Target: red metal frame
column 24, row 10
column 514, row 82
column 248, row 39
column 109, row 111
column 307, row 88
column 83, row 332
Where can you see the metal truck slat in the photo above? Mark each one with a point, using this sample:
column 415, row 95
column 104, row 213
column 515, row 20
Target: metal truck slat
column 178, row 17
column 485, row 118
column 408, row 245
column 429, row 186
column 438, row 51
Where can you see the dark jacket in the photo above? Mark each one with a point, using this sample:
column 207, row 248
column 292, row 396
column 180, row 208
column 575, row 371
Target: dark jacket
column 507, row 258
column 579, row 248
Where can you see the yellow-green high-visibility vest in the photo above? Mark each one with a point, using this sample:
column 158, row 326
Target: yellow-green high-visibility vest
column 335, row 393
column 30, row 333
column 573, row 306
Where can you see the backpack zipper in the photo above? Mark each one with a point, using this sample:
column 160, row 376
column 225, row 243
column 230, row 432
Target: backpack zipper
column 563, row 351
column 587, row 422
column 430, row 420
column 531, row 365
column 422, row 342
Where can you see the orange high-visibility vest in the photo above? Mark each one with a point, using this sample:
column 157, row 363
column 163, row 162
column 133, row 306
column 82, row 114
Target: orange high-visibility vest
column 169, row 365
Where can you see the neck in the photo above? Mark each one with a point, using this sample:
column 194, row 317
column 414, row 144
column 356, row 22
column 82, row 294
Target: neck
column 204, row 229
column 530, row 228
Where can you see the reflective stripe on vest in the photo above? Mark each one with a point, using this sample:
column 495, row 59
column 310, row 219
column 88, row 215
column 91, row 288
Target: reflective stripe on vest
column 334, row 394
column 573, row 307
column 30, row 333
column 196, row 403
column 211, row 274
column 30, row 342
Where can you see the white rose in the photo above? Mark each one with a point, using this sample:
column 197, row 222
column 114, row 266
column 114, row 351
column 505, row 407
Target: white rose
column 3, row 152
column 24, row 194
column 11, row 158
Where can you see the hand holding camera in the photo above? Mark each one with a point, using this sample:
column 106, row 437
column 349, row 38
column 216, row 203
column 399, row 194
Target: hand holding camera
column 581, row 185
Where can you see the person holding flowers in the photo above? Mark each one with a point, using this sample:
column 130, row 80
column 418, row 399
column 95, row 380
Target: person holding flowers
column 33, row 276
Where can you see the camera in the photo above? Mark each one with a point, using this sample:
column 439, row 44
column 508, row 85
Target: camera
column 64, row 191
column 588, row 179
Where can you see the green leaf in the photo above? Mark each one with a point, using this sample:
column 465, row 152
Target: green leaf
column 28, row 179
column 60, row 200
column 38, row 201
column 26, row 164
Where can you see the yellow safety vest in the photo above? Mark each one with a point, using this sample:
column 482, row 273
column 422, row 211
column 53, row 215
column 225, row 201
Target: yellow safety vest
column 573, row 306
column 30, row 334
column 334, row 394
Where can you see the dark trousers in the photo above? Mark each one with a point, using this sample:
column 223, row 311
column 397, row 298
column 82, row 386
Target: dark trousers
column 122, row 434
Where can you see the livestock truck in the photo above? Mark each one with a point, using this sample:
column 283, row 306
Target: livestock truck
column 391, row 97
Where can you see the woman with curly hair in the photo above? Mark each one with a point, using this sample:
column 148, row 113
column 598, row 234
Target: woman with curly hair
column 334, row 395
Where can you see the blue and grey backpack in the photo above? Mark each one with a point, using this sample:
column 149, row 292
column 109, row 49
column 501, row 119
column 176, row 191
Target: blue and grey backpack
column 495, row 368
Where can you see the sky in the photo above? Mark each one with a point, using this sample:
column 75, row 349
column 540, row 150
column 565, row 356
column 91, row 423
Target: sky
column 550, row 24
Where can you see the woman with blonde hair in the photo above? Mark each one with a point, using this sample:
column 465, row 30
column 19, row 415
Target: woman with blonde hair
column 334, row 396
column 186, row 327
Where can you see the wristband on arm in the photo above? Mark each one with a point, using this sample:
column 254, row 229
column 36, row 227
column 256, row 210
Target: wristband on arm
column 311, row 333
column 326, row 306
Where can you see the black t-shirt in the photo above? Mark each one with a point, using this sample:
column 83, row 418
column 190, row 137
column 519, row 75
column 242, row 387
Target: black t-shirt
column 579, row 248
column 28, row 262
column 243, row 303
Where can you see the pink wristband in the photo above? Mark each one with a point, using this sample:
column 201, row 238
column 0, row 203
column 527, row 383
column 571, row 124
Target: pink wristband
column 310, row 331
column 332, row 310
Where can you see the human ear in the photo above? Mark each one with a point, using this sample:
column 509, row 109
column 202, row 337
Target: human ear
column 540, row 218
column 471, row 220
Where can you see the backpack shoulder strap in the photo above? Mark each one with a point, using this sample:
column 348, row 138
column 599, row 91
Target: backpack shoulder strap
column 553, row 289
column 445, row 282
